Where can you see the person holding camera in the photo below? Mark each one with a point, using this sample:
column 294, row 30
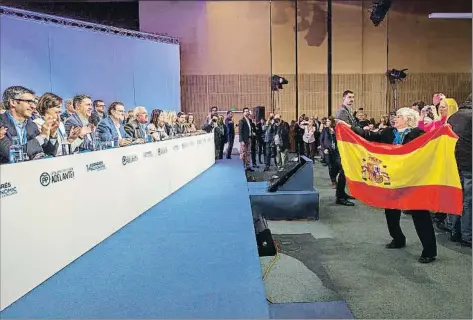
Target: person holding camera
column 269, row 142
column 217, row 126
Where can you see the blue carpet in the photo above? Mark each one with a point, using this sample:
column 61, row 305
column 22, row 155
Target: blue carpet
column 191, row 256
column 310, row 310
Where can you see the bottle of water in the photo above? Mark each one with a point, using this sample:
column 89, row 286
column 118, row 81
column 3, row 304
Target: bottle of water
column 15, row 151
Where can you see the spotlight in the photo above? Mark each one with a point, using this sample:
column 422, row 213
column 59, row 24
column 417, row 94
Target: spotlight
column 277, row 82
column 379, row 9
column 396, row 75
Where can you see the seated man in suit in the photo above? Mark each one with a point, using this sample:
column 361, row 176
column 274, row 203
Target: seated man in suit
column 136, row 128
column 18, row 102
column 111, row 128
column 83, row 109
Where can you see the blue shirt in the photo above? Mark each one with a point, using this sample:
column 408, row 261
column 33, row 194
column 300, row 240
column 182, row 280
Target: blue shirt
column 20, row 129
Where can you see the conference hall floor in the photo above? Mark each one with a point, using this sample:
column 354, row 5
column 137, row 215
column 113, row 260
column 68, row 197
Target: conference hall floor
column 342, row 257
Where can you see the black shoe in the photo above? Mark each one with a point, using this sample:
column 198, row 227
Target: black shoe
column 455, row 238
column 344, row 202
column 347, row 197
column 250, row 170
column 266, row 169
column 229, row 157
column 426, row 259
column 395, row 245
column 441, row 225
column 465, row 243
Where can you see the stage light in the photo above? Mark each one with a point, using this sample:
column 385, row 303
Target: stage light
column 378, row 10
column 277, row 82
column 396, row 75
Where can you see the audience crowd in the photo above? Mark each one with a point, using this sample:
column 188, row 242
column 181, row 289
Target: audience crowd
column 33, row 127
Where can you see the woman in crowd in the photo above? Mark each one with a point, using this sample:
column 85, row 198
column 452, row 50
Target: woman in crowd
column 403, row 131
column 157, row 127
column 328, row 143
column 427, row 115
column 191, row 123
column 49, row 107
column 309, row 138
column 383, row 122
column 171, row 123
column 292, row 136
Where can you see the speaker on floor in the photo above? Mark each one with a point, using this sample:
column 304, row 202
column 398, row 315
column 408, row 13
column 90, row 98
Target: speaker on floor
column 264, row 238
column 259, row 113
column 281, row 177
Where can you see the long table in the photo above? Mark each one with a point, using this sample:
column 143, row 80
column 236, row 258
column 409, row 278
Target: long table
column 54, row 210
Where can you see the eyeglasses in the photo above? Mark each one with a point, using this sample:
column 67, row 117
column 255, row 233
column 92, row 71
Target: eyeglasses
column 27, row 101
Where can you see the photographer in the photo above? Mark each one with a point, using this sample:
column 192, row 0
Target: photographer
column 216, row 125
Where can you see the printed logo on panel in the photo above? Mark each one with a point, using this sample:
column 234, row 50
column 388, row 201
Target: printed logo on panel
column 129, row 159
column 7, row 189
column 96, row 166
column 53, row 177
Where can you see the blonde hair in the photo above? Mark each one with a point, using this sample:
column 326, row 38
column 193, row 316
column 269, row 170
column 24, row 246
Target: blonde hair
column 411, row 116
column 452, row 106
column 172, row 116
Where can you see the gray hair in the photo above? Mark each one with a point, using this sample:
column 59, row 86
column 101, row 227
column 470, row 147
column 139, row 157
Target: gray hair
column 68, row 102
column 78, row 99
column 411, row 116
column 12, row 93
column 139, row 110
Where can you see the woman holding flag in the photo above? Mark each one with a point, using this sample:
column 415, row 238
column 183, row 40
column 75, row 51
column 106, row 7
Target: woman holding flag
column 404, row 130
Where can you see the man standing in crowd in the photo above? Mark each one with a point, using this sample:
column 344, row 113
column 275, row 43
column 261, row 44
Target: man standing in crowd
column 244, row 131
column 208, row 119
column 281, row 141
column 461, row 124
column 230, row 133
column 345, row 113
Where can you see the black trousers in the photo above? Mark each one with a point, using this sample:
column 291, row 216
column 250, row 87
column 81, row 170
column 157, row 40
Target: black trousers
column 341, row 184
column 333, row 161
column 261, row 150
column 230, row 146
column 423, row 225
column 253, row 151
column 220, row 148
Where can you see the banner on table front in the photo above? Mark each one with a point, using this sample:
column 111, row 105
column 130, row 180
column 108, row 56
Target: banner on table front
column 419, row 175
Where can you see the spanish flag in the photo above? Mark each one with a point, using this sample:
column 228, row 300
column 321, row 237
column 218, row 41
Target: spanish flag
column 420, row 175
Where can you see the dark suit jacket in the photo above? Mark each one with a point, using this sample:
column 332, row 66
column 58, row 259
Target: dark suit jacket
column 344, row 114
column 73, row 122
column 106, row 130
column 95, row 118
column 244, row 130
column 32, row 145
column 283, row 131
column 133, row 129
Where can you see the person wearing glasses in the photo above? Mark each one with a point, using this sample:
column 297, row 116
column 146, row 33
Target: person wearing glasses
column 111, row 128
column 18, row 102
column 136, row 128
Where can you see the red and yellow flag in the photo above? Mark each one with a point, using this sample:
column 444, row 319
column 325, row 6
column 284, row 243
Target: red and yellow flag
column 420, row 175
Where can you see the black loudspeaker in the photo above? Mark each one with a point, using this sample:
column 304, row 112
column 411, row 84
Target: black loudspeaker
column 264, row 238
column 281, row 177
column 259, row 113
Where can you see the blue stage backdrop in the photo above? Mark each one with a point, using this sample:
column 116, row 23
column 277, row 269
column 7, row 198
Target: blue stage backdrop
column 48, row 57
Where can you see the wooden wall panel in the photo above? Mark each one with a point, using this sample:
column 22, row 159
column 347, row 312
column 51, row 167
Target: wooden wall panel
column 372, row 91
